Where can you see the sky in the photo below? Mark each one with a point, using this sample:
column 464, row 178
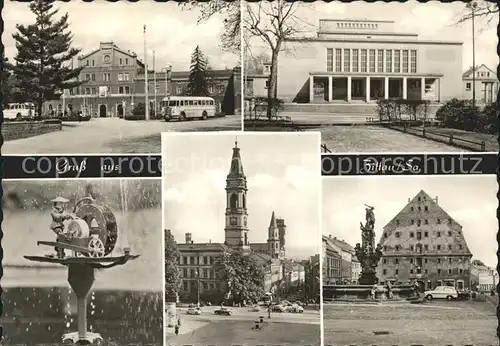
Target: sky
column 432, row 20
column 470, row 200
column 283, row 175
column 172, row 31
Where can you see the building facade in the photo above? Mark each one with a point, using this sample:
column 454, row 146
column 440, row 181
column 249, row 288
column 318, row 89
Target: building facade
column 198, row 259
column 486, row 84
column 423, row 243
column 363, row 61
column 114, row 82
column 355, row 270
column 484, row 278
column 332, row 263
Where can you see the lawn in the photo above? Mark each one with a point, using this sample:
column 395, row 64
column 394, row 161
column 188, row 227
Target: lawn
column 446, row 323
column 228, row 333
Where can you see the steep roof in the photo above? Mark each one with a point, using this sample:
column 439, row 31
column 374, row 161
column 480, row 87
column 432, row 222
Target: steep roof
column 468, row 73
column 423, row 216
column 206, row 247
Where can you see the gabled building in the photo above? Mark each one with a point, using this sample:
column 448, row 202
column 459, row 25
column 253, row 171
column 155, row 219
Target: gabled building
column 483, row 278
column 331, row 264
column 485, row 81
column 423, row 243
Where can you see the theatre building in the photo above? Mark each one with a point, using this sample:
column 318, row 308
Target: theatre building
column 362, row 61
column 423, row 243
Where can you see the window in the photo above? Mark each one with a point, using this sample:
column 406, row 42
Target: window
column 120, row 90
column 439, row 260
column 106, row 77
column 397, row 222
column 419, row 208
column 93, row 77
column 126, row 61
column 398, row 234
column 468, row 86
column 450, row 221
column 178, row 89
column 419, row 222
column 412, row 234
column 87, row 76
column 397, row 61
column 380, row 63
column 460, row 271
column 211, row 89
column 413, row 61
column 426, row 208
column 419, row 235
column 449, row 247
column 449, row 260
column 438, row 221
column 384, row 261
column 87, row 62
column 355, row 60
column 411, row 260
column 384, row 271
column 460, row 247
column 363, row 60
column 388, row 61
column 120, row 76
column 412, row 222
column 396, row 261
column 426, row 222
column 449, row 271
column 411, row 271
column 338, row 60
column 439, row 271
column 412, row 248
column 426, row 247
column 329, row 60
column 93, row 62
column 396, row 272
column 397, row 247
column 438, row 234
column 121, row 61
column 425, row 260
column 405, row 61
column 126, row 76
column 439, row 247
column 426, row 234
column 449, row 233
column 372, row 60
column 426, row 271
column 412, row 209
column 347, row 60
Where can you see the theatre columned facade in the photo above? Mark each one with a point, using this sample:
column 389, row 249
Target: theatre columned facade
column 363, row 61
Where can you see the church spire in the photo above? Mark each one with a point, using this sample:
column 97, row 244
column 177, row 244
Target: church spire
column 273, row 223
column 236, row 170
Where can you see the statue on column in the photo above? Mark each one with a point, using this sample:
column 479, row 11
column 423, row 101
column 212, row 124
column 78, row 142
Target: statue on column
column 367, row 254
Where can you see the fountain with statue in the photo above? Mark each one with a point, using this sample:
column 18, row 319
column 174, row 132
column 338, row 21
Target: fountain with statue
column 90, row 236
column 368, row 256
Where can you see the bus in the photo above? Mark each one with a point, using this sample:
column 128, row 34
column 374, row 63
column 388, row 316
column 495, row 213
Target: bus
column 188, row 107
column 19, row 111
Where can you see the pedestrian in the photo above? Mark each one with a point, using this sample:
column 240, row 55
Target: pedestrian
column 389, row 290
column 177, row 330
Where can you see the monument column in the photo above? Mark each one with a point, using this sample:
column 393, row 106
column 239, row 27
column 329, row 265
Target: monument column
column 422, row 88
column 405, row 88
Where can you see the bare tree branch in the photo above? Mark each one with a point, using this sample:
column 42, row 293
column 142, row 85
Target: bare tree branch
column 483, row 9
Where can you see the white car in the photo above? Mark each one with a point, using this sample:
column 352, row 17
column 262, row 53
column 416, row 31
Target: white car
column 254, row 308
column 194, row 311
column 295, row 308
column 442, row 292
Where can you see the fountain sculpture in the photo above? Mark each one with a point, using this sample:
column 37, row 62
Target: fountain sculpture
column 367, row 254
column 91, row 236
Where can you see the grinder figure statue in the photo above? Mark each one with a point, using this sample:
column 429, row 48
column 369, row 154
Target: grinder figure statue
column 59, row 216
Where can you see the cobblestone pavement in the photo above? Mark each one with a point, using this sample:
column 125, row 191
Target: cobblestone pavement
column 453, row 323
column 113, row 135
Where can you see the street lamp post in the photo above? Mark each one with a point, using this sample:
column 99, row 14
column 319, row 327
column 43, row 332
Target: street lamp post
column 473, row 7
column 168, row 72
column 198, row 288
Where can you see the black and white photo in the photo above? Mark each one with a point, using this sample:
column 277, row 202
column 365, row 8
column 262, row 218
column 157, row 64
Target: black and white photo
column 410, row 260
column 82, row 262
column 374, row 77
column 87, row 91
column 242, row 238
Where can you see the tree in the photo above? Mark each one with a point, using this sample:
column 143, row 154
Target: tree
column 8, row 80
column 230, row 11
column 273, row 23
column 43, row 51
column 172, row 273
column 483, row 9
column 255, row 64
column 197, row 84
column 242, row 274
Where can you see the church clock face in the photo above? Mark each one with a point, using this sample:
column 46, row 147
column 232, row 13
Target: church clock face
column 107, row 58
column 233, row 221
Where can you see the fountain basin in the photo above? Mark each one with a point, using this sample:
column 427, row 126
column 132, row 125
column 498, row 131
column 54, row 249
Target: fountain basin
column 363, row 292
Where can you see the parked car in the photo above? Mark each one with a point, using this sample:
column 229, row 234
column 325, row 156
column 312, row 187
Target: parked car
column 194, row 311
column 278, row 308
column 442, row 292
column 254, row 308
column 295, row 308
column 223, row 312
column 464, row 295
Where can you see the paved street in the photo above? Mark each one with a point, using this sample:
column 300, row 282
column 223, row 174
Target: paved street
column 113, row 135
column 283, row 328
column 444, row 323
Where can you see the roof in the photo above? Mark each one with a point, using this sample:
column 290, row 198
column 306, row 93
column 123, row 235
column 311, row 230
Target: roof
column 203, row 247
column 470, row 69
column 341, row 244
column 260, row 257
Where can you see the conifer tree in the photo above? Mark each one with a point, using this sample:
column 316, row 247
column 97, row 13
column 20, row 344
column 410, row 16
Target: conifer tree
column 198, row 85
column 172, row 273
column 44, row 50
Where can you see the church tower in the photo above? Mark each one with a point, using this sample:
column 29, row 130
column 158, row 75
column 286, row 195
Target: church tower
column 236, row 230
column 273, row 240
